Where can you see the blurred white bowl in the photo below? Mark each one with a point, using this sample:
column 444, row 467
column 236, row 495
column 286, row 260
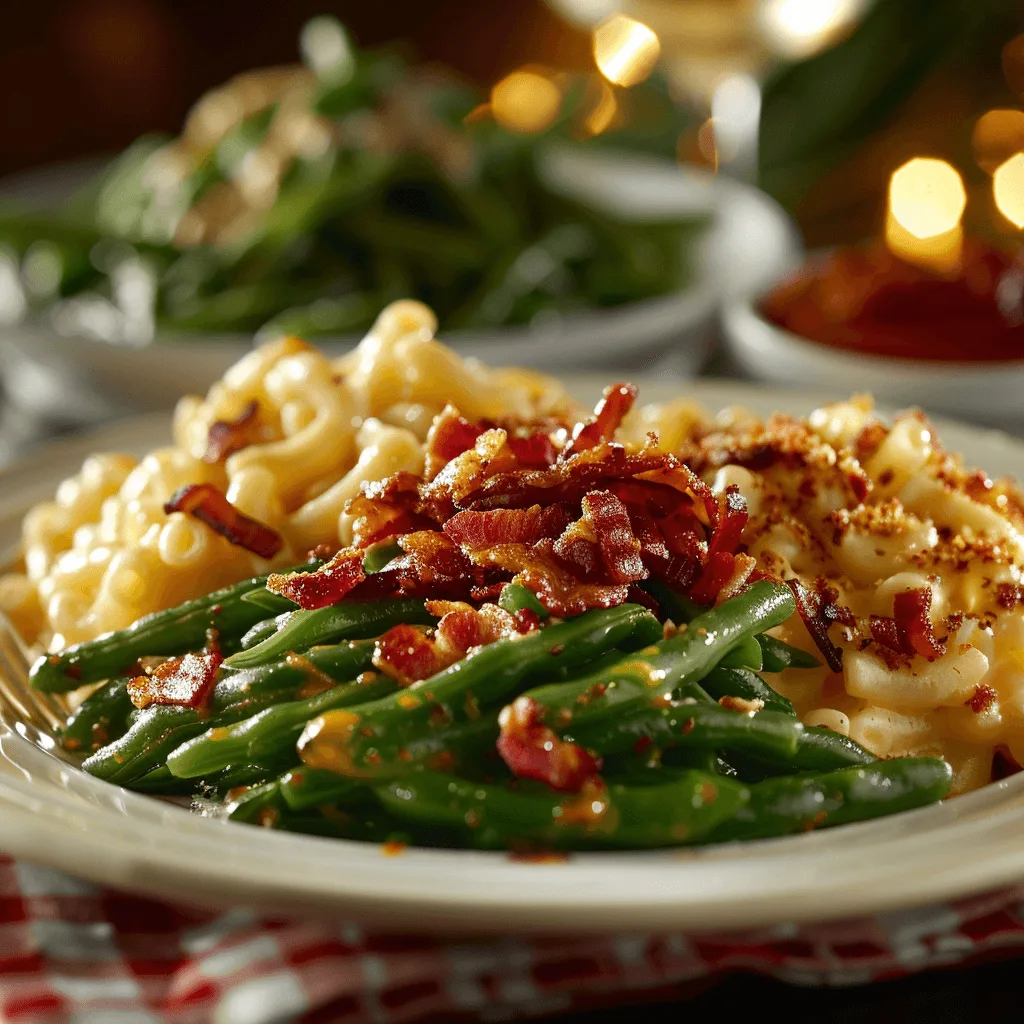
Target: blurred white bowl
column 983, row 392
column 750, row 242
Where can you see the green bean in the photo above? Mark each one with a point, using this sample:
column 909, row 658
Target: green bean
column 103, row 716
column 263, row 630
column 675, row 606
column 679, row 661
column 306, row 788
column 269, row 601
column 795, row 803
column 258, row 805
column 174, row 631
column 378, row 555
column 777, row 738
column 684, row 810
column 514, row 597
column 779, row 656
column 382, row 739
column 303, row 629
column 158, row 729
column 738, row 682
column 745, row 655
column 269, row 735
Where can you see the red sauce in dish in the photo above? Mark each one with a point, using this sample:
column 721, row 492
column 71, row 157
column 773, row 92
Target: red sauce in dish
column 864, row 299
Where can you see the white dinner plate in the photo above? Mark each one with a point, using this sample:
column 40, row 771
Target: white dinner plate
column 56, row 815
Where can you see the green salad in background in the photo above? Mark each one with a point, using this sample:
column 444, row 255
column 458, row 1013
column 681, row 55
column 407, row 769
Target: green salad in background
column 303, row 199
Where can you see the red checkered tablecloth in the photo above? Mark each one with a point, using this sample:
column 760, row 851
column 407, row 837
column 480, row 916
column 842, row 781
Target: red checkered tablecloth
column 71, row 953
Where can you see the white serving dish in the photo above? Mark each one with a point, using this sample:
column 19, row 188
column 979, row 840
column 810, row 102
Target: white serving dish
column 55, row 815
column 984, row 392
column 749, row 243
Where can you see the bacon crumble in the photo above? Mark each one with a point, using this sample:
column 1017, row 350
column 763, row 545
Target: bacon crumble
column 185, row 681
column 532, row 750
column 210, row 506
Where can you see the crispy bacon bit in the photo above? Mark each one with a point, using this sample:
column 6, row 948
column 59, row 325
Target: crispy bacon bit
column 982, row 699
column 1004, row 764
column 409, row 654
column 186, row 681
column 909, row 630
column 731, row 522
column 1009, row 595
column 327, row 585
column 449, row 436
column 601, row 542
column 609, row 412
column 533, row 451
column 818, row 610
column 568, row 481
column 869, row 440
column 534, row 751
column 385, row 509
column 561, row 592
column 225, row 437
column 210, row 506
column 742, row 705
column 910, row 610
column 406, row 654
column 476, row 530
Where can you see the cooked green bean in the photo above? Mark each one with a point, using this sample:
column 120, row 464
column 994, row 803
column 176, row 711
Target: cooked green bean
column 770, row 735
column 796, row 803
column 680, row 660
column 684, row 810
column 158, row 729
column 738, row 682
column 103, row 716
column 304, row 629
column 779, row 656
column 174, row 631
column 271, row 734
column 384, row 738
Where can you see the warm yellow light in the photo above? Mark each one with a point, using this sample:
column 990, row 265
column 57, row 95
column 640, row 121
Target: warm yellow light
column 798, row 28
column 1008, row 189
column 996, row 137
column 927, row 197
column 603, row 113
column 626, row 50
column 525, row 101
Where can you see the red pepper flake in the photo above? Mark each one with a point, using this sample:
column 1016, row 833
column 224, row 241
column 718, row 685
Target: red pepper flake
column 982, row 699
column 185, row 681
column 207, row 504
column 225, row 437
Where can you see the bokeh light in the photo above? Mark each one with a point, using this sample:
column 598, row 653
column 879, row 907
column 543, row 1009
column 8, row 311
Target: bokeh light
column 1008, row 189
column 626, row 50
column 604, row 112
column 527, row 100
column 997, row 136
column 798, row 28
column 927, row 197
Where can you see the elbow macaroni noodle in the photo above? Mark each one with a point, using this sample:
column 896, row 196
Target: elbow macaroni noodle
column 104, row 552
